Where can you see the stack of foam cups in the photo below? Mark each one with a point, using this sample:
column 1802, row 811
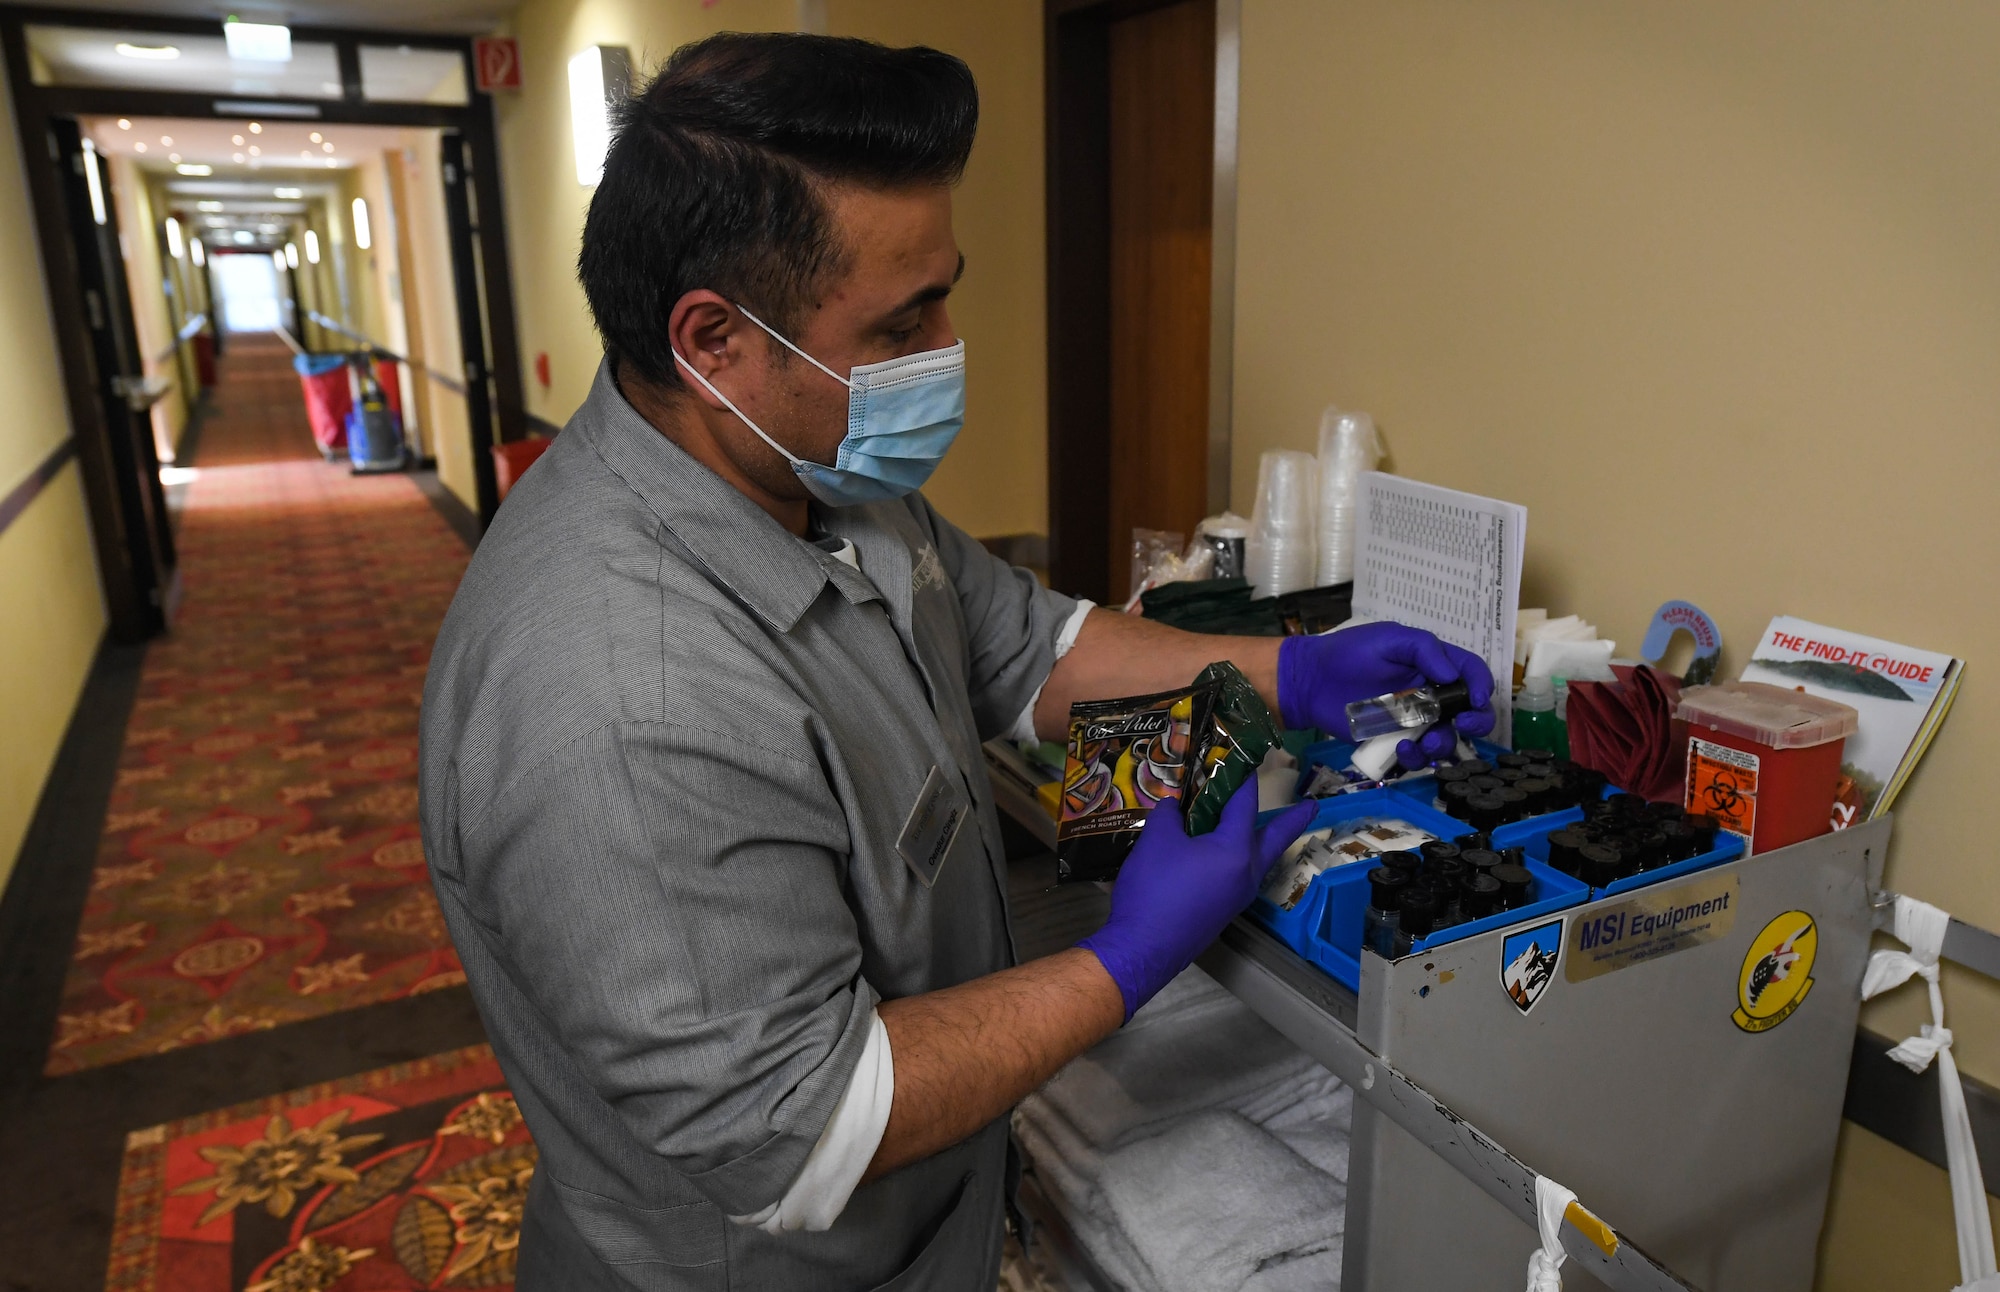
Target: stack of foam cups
column 1280, row 554
column 1348, row 446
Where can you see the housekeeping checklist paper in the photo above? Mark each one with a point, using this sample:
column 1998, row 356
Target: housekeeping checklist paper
column 1446, row 561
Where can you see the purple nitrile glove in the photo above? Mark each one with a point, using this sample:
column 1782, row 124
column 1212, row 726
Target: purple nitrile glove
column 1175, row 893
column 1318, row 677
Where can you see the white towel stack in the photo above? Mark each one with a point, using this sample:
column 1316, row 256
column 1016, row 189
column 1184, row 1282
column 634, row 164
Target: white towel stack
column 1197, row 1151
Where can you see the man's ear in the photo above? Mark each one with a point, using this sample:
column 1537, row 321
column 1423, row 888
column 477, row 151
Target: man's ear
column 703, row 330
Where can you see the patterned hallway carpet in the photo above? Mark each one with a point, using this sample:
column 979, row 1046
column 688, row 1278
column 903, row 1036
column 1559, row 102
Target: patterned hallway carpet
column 260, row 861
column 406, row 1177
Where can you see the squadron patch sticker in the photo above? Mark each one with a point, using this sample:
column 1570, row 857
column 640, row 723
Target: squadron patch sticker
column 1528, row 963
column 1777, row 972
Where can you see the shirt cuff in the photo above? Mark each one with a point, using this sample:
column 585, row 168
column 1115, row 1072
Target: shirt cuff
column 845, row 1148
column 1023, row 730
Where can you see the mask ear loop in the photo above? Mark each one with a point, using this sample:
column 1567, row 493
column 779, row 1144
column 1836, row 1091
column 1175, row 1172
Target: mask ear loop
column 799, row 465
column 782, row 340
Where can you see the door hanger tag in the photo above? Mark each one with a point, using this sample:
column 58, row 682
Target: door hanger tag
column 933, row 826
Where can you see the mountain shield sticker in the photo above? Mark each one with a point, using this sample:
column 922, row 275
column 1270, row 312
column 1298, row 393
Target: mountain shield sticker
column 1528, row 962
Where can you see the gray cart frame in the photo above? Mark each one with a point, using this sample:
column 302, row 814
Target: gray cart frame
column 1701, row 1153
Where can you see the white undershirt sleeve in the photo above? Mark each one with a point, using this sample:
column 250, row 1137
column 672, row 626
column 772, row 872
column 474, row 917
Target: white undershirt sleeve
column 1024, row 726
column 846, row 1147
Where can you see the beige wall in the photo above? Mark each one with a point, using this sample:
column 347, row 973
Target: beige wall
column 1713, row 289
column 51, row 612
column 994, row 481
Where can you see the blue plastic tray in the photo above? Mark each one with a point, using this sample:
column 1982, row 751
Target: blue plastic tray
column 1535, row 842
column 1325, row 927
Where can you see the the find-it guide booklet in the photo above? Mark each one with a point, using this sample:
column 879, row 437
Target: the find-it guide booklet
column 1901, row 693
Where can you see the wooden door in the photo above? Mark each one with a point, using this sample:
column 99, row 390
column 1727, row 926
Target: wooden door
column 1162, row 120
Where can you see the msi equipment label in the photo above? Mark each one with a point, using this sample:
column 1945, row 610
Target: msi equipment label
column 1650, row 924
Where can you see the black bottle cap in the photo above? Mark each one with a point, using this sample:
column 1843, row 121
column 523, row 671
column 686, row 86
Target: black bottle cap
column 1515, row 803
column 1509, row 775
column 1541, row 757
column 1453, row 698
column 1476, row 767
column 1419, row 905
column 1704, row 826
column 1480, row 898
column 1455, row 792
column 1628, row 805
column 1664, row 811
column 1486, row 811
column 1438, row 850
column 1486, row 783
column 1383, row 886
column 1450, row 872
column 1449, row 775
column 1646, row 850
column 1476, row 839
column 1517, row 761
column 1514, row 856
column 1408, row 864
column 1601, row 864
column 1516, row 886
column 1681, row 839
column 1566, row 850
column 1481, row 859
column 1541, row 794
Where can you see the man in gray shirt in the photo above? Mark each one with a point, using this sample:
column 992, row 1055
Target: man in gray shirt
column 702, row 790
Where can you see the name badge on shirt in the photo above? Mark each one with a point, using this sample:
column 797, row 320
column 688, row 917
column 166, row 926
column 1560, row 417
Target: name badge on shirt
column 933, row 826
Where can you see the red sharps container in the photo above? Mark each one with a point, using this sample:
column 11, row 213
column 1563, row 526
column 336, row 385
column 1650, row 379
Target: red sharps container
column 1764, row 761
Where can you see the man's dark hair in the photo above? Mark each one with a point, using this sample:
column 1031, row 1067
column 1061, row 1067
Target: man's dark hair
column 713, row 175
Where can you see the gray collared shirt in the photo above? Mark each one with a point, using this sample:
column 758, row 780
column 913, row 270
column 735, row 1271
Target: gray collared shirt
column 668, row 748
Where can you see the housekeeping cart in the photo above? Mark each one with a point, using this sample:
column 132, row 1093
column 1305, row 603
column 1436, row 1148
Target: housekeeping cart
column 1676, row 1054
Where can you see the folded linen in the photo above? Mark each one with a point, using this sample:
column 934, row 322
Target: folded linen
column 1257, row 1203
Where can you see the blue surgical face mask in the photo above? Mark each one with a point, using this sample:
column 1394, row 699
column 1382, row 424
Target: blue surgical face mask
column 902, row 415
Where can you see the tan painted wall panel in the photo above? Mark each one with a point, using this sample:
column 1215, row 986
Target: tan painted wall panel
column 1712, row 288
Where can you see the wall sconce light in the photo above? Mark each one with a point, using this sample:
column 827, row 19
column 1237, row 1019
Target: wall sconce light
column 174, row 245
column 361, row 234
column 312, row 247
column 599, row 78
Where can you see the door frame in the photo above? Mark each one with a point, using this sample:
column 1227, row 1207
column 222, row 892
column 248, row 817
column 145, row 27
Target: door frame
column 1076, row 53
column 493, row 371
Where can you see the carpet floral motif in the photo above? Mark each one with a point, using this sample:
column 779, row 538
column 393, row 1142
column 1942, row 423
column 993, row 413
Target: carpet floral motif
column 260, row 863
column 404, row 1178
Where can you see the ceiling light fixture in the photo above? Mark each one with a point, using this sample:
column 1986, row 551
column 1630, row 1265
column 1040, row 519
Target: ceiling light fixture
column 195, row 168
column 149, row 53
column 315, row 136
column 288, row 193
column 237, row 140
column 256, row 128
column 173, row 157
column 241, row 237
column 138, row 148
column 326, row 148
column 208, row 206
column 255, row 151
column 236, row 157
column 166, row 141
column 124, row 123
column 257, row 42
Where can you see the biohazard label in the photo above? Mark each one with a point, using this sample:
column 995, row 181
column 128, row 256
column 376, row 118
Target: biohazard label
column 1776, row 973
column 1650, row 924
column 1723, row 783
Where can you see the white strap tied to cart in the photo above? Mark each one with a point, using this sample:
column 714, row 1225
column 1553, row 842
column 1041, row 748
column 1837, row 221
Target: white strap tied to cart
column 1921, row 927
column 1545, row 1264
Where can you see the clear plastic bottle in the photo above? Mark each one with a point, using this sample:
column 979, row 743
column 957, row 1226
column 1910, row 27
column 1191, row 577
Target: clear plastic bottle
column 1536, row 723
column 1417, row 907
column 1379, row 926
column 1410, row 710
